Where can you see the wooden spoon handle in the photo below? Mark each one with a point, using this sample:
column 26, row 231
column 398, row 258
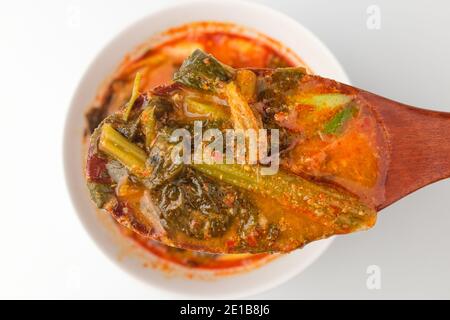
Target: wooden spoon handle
column 419, row 146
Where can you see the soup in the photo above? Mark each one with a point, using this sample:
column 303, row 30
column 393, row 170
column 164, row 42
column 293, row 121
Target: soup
column 136, row 172
column 157, row 64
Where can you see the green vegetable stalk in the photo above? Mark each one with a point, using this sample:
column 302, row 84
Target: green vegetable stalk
column 325, row 100
column 337, row 123
column 134, row 95
column 209, row 110
column 148, row 124
column 340, row 210
column 118, row 147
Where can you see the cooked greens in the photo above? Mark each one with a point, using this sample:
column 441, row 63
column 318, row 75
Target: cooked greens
column 318, row 200
column 202, row 71
column 217, row 206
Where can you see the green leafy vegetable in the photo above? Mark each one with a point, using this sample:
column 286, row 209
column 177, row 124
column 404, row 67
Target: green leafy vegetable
column 202, row 71
column 284, row 79
column 161, row 168
column 195, row 206
column 275, row 89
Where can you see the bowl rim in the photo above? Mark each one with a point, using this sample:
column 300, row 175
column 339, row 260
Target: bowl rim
column 68, row 158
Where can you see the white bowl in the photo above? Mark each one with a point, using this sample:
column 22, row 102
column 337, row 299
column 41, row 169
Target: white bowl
column 260, row 18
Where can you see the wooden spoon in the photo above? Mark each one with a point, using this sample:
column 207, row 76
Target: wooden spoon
column 417, row 140
column 418, row 143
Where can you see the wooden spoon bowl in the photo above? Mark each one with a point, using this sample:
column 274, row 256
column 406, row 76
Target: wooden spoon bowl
column 417, row 142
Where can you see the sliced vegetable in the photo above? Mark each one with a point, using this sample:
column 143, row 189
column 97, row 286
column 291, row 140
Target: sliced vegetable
column 118, row 147
column 148, row 125
column 134, row 95
column 326, row 100
column 197, row 108
column 202, row 71
column 341, row 210
column 337, row 123
column 242, row 115
column 246, row 83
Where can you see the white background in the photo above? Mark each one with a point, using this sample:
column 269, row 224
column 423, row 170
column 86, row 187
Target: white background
column 45, row 47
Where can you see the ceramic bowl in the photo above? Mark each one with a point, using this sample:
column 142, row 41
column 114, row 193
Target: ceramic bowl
column 249, row 15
